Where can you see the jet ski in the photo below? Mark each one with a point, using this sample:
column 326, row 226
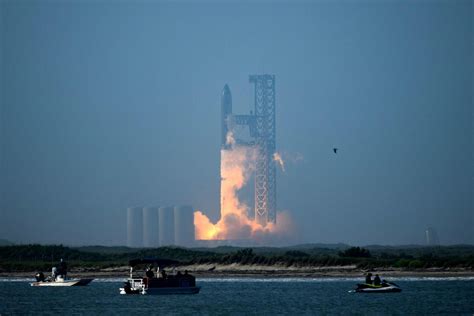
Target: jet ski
column 385, row 287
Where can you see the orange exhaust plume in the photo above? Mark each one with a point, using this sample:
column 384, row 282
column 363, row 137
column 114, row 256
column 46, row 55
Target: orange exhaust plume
column 237, row 165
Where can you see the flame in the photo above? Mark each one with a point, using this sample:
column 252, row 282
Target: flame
column 237, row 165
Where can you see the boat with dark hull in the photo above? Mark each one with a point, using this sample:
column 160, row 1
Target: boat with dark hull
column 162, row 283
column 385, row 287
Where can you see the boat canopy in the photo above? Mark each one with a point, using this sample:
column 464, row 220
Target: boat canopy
column 157, row 261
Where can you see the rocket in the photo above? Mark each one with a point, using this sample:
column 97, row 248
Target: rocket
column 226, row 112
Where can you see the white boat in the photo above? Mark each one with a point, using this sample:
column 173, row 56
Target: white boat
column 163, row 284
column 58, row 281
column 62, row 282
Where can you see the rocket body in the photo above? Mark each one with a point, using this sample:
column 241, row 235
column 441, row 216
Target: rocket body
column 226, row 112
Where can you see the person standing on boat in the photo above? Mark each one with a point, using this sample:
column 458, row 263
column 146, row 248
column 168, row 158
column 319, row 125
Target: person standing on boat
column 63, row 268
column 54, row 273
column 368, row 278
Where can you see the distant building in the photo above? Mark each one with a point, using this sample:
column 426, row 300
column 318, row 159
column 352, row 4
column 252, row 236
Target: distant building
column 150, row 226
column 134, row 227
column 184, row 226
column 166, row 226
column 431, row 237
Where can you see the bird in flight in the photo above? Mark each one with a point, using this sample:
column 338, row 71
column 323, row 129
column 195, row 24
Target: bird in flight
column 335, row 150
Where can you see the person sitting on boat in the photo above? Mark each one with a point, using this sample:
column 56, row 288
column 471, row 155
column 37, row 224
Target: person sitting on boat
column 368, row 278
column 149, row 273
column 161, row 273
column 377, row 280
column 127, row 287
column 39, row 277
column 191, row 279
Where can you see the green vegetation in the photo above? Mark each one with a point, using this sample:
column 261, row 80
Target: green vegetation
column 37, row 257
column 355, row 252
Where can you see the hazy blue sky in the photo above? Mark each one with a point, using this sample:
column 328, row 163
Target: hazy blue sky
column 110, row 104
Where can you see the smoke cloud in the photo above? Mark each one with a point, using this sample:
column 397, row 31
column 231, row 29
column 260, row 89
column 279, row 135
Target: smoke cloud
column 237, row 165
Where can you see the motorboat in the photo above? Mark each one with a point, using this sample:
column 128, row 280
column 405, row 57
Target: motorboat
column 59, row 277
column 62, row 282
column 385, row 287
column 161, row 283
column 58, row 281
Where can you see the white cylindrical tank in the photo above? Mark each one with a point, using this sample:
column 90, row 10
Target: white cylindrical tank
column 166, row 225
column 184, row 225
column 431, row 237
column 134, row 227
column 150, row 226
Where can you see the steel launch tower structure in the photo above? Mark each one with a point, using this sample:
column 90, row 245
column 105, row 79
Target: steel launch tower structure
column 261, row 124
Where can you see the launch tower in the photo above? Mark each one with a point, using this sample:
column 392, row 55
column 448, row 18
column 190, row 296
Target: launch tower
column 261, row 124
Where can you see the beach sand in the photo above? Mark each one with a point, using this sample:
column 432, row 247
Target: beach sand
column 238, row 270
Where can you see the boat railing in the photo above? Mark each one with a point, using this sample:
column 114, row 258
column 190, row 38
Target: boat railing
column 137, row 283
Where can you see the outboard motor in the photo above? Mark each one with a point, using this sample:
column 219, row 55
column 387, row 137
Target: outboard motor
column 39, row 277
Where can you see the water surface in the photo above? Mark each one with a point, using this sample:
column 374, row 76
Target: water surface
column 244, row 296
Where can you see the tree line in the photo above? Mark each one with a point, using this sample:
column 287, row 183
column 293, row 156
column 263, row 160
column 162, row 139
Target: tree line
column 43, row 257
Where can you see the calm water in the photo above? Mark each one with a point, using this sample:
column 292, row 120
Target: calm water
column 244, row 296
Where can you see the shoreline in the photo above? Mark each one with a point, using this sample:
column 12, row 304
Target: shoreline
column 248, row 271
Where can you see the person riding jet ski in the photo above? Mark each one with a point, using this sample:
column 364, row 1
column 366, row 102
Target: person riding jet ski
column 378, row 286
column 368, row 278
column 377, row 280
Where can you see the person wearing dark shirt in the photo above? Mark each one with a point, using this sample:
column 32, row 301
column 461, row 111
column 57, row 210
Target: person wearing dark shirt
column 127, row 287
column 149, row 273
column 377, row 280
column 62, row 268
column 368, row 278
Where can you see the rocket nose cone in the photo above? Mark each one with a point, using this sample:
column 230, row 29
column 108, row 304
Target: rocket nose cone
column 226, row 90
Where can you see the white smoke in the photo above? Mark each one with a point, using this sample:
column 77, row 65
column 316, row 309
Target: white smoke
column 279, row 160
